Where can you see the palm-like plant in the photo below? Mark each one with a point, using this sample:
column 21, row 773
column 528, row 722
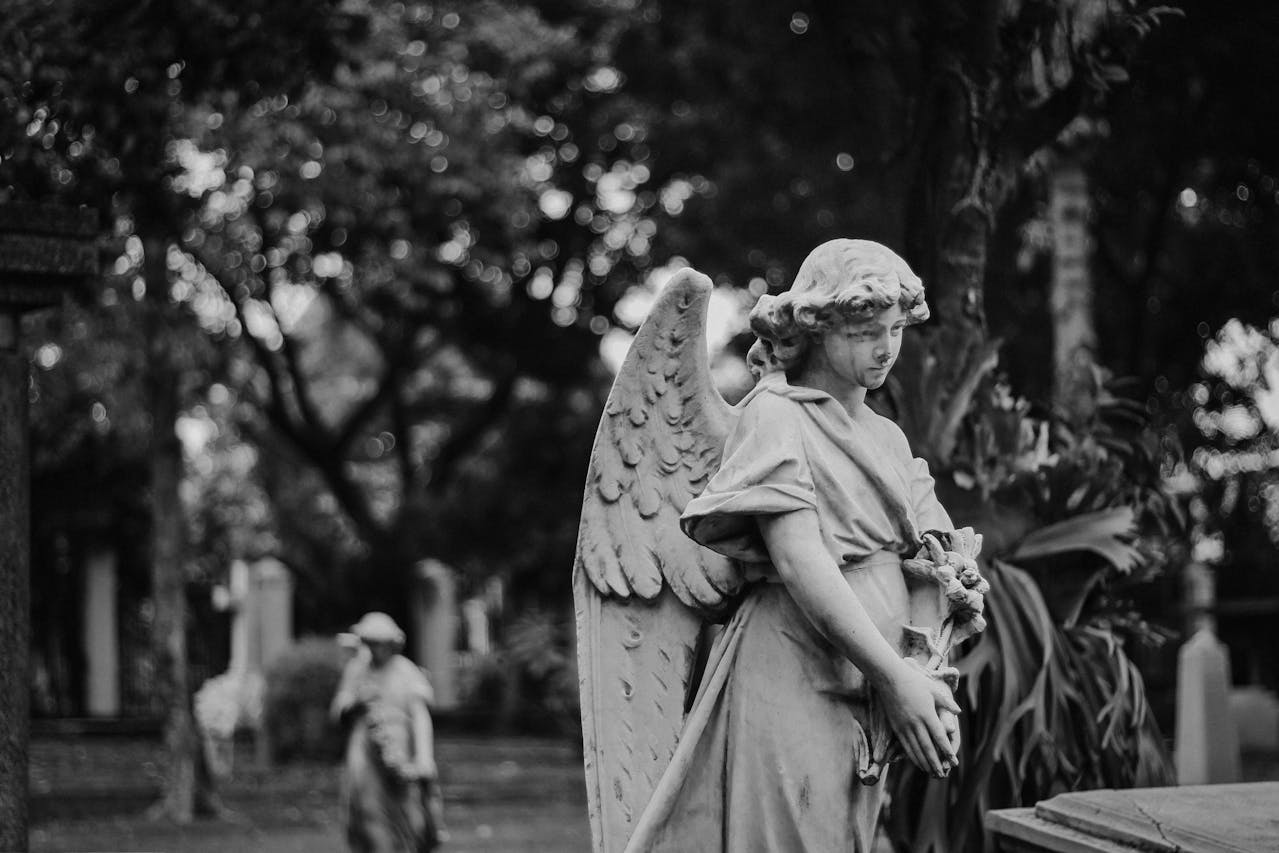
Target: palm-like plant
column 1053, row 702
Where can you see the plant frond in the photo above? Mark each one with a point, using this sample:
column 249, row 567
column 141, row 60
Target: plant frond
column 1107, row 533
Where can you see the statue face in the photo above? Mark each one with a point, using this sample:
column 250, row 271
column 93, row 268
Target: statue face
column 861, row 352
column 380, row 652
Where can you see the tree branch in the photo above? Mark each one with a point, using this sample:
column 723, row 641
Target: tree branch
column 469, row 431
column 301, row 391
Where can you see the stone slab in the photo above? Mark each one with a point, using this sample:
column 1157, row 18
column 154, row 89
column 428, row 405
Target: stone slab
column 1022, row 831
column 1239, row 818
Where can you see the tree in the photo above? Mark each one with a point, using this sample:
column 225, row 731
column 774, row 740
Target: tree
column 386, row 259
column 1235, row 473
column 98, row 93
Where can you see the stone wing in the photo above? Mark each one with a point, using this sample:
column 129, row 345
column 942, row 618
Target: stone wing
column 642, row 589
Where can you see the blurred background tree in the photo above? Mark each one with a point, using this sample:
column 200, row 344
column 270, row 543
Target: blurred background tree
column 98, row 94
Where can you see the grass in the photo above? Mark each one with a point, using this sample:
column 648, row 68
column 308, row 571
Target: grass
column 501, row 794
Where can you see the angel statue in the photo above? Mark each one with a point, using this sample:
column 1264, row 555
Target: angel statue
column 745, row 682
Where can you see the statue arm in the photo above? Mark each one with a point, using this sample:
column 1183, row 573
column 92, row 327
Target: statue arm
column 345, row 701
column 911, row 699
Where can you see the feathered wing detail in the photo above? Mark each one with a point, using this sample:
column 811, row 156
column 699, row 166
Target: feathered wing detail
column 641, row 588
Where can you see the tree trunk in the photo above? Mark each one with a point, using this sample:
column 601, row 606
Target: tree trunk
column 15, row 588
column 168, row 577
column 959, row 187
column 1071, row 300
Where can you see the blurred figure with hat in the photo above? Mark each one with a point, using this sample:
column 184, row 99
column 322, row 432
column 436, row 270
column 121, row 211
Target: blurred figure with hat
column 390, row 787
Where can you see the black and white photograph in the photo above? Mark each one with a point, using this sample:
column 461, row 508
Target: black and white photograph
column 639, row 426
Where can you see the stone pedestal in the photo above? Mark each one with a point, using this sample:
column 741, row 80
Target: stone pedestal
column 1196, row 819
column 101, row 636
column 435, row 624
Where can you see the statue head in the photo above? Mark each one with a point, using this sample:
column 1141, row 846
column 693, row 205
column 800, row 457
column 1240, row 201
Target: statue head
column 840, row 281
column 379, row 633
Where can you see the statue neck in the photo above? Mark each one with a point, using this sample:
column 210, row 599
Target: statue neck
column 818, row 375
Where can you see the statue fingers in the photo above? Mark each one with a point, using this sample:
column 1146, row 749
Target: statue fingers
column 944, row 698
column 937, row 740
column 931, row 747
column 913, row 744
column 950, row 722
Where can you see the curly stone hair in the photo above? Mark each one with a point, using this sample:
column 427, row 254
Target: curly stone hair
column 840, row 280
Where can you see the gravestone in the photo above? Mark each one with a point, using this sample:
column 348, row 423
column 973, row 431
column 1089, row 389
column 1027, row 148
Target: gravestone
column 435, row 625
column 272, row 599
column 475, row 617
column 1207, row 747
column 242, row 629
column 44, row 252
column 101, row 635
column 1241, row 818
column 260, row 599
column 1256, row 714
column 261, row 604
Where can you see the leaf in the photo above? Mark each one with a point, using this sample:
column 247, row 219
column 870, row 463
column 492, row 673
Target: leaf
column 1107, row 533
column 1048, row 709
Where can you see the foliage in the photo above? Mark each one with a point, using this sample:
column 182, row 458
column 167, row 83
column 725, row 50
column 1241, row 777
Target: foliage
column 1184, row 190
column 1048, row 709
column 1232, row 481
column 1053, row 702
column 1237, row 418
column 373, row 257
column 541, row 649
column 300, row 685
column 530, row 682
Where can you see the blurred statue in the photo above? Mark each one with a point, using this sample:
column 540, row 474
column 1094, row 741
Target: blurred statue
column 745, row 685
column 390, row 790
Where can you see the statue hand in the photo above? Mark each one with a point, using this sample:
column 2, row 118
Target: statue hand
column 425, row 769
column 950, row 722
column 914, row 703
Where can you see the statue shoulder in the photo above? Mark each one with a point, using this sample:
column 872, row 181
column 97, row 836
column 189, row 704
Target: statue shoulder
column 896, row 437
column 772, row 402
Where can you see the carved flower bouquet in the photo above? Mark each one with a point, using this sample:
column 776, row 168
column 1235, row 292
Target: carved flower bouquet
column 948, row 596
column 390, row 733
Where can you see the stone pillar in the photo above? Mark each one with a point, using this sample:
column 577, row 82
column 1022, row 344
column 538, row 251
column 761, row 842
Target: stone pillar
column 435, row 623
column 44, row 252
column 271, row 605
column 101, row 637
column 476, row 618
column 242, row 633
column 1207, row 745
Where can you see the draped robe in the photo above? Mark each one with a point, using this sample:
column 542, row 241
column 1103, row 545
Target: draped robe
column 767, row 757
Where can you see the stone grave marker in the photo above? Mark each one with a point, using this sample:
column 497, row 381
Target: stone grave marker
column 435, row 626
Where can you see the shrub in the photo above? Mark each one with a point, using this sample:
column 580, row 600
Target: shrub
column 530, row 683
column 299, row 687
